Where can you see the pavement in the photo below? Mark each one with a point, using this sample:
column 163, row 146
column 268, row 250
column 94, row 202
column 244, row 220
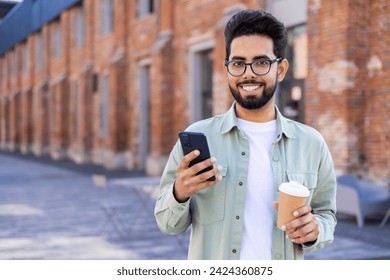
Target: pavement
column 59, row 210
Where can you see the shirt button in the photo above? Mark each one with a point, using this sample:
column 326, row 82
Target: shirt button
column 234, row 251
column 275, row 158
column 237, row 217
column 243, row 153
column 240, row 183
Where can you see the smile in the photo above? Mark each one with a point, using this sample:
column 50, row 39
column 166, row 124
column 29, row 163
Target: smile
column 251, row 88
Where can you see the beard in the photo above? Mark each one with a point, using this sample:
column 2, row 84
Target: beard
column 253, row 102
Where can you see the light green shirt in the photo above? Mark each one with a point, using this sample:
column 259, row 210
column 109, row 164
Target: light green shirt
column 299, row 153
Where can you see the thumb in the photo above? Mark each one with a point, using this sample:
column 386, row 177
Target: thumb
column 275, row 204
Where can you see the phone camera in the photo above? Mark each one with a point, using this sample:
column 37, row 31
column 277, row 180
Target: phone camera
column 185, row 140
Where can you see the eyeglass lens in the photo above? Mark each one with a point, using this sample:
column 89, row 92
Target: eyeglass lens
column 259, row 67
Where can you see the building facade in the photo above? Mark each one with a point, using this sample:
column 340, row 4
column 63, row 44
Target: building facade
column 112, row 82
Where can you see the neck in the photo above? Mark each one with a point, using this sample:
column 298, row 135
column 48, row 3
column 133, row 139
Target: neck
column 264, row 114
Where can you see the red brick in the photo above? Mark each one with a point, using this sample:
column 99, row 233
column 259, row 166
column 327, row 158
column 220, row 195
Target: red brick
column 346, row 96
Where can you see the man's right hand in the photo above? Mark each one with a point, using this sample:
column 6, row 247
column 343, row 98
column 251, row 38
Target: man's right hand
column 188, row 183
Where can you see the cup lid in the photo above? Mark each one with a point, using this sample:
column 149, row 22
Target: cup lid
column 294, row 188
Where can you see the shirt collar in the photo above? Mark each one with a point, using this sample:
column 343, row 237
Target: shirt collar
column 283, row 126
column 229, row 120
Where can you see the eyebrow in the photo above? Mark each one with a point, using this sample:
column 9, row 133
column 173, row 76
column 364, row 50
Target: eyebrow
column 254, row 58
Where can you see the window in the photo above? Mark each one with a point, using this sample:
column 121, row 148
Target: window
column 56, row 39
column 4, row 69
column 79, row 27
column 14, row 63
column 144, row 121
column 17, row 115
column 206, row 76
column 104, row 106
column 201, row 80
column 51, row 107
column 39, row 51
column 291, row 96
column 75, row 108
column 106, row 16
column 25, row 58
column 144, row 8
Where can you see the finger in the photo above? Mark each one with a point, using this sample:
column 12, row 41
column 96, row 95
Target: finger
column 301, row 231
column 207, row 184
column 275, row 204
column 305, row 210
column 299, row 222
column 304, row 235
column 185, row 162
column 189, row 182
column 302, row 211
column 192, row 189
column 206, row 175
column 202, row 165
column 203, row 177
column 309, row 225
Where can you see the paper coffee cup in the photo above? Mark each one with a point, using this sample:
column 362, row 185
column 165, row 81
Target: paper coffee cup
column 292, row 196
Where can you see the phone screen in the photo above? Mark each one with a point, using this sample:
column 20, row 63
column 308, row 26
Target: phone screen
column 191, row 141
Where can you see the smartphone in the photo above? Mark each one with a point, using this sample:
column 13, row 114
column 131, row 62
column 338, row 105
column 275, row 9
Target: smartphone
column 196, row 141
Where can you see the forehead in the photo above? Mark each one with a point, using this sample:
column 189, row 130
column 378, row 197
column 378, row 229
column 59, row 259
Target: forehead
column 252, row 46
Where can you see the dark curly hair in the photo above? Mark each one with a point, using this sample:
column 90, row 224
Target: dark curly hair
column 256, row 22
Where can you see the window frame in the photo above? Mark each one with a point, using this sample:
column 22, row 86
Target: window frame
column 57, row 38
column 107, row 17
column 39, row 51
column 79, row 27
column 145, row 8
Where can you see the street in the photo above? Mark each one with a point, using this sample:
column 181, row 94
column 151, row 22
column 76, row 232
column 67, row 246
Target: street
column 55, row 210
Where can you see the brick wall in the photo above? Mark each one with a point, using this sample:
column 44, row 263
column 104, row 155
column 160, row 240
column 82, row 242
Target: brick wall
column 377, row 111
column 348, row 86
column 57, row 110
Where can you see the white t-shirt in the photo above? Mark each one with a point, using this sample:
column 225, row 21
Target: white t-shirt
column 258, row 216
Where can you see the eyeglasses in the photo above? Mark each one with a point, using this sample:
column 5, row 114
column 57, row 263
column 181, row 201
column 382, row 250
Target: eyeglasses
column 260, row 67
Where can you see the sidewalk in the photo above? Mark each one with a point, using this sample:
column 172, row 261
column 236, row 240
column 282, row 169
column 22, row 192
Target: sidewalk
column 52, row 210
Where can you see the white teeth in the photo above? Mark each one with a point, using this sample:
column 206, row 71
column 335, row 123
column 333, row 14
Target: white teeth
column 250, row 88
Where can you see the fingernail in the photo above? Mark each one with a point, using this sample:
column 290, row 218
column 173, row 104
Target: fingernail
column 196, row 153
column 295, row 213
column 219, row 178
column 213, row 160
column 284, row 228
column 219, row 168
column 287, row 236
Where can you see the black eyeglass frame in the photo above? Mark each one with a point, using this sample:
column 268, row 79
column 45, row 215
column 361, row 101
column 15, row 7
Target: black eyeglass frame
column 271, row 61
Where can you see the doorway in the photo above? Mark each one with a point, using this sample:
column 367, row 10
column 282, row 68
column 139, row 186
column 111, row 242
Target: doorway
column 201, row 81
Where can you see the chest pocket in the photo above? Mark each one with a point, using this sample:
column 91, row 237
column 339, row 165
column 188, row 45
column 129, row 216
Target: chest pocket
column 208, row 205
column 306, row 178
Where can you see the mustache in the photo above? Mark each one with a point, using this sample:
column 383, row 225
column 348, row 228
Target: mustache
column 251, row 82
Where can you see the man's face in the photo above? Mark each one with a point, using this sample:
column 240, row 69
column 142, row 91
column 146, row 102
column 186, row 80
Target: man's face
column 250, row 90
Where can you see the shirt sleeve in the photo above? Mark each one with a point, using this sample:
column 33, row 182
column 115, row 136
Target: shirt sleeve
column 324, row 202
column 172, row 217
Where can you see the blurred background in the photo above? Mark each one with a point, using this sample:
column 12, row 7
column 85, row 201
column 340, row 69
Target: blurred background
column 104, row 86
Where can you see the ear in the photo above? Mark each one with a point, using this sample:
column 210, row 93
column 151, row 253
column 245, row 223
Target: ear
column 282, row 69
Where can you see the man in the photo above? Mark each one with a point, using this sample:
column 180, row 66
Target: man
column 257, row 149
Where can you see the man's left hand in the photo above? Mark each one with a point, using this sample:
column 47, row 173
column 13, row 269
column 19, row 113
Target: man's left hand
column 304, row 228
